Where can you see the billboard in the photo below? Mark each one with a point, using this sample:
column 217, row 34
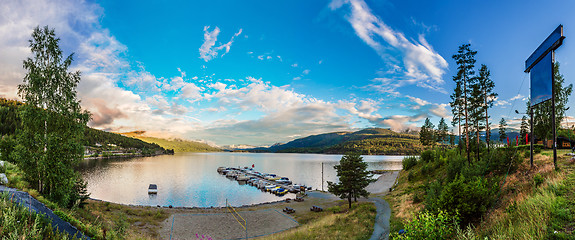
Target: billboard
column 540, row 64
column 542, row 80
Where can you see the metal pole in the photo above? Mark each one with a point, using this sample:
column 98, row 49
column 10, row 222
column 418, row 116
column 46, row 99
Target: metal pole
column 553, row 110
column 532, row 137
column 322, row 176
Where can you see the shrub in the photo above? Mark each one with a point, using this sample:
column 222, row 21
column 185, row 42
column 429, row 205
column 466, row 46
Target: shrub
column 470, row 197
column 409, row 162
column 427, row 225
column 428, row 156
column 538, row 179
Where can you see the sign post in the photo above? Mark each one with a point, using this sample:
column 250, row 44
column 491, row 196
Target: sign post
column 540, row 65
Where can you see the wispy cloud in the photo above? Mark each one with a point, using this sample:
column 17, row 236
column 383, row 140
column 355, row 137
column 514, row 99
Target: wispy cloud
column 418, row 62
column 208, row 51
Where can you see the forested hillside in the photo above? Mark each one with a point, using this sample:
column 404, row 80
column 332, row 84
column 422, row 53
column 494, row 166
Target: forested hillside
column 367, row 141
column 178, row 145
column 97, row 141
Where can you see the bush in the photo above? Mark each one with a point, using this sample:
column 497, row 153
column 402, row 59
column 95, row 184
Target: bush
column 409, row 162
column 538, row 179
column 470, row 197
column 428, row 156
column 427, row 225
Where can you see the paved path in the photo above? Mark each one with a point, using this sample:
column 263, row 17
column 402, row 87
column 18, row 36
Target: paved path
column 29, row 202
column 381, row 226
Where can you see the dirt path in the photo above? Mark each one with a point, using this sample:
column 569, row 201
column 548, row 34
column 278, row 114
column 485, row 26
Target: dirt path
column 28, row 201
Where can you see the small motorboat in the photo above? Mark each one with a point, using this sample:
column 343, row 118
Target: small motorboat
column 153, row 189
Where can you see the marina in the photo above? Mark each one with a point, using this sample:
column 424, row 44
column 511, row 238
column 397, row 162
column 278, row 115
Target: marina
column 267, row 182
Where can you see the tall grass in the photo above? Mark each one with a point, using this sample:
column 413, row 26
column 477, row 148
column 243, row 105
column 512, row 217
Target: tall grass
column 533, row 217
column 17, row 222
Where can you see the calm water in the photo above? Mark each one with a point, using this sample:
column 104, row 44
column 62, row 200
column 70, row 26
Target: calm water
column 191, row 179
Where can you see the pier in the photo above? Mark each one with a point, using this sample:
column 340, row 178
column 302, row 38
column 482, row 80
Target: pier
column 263, row 181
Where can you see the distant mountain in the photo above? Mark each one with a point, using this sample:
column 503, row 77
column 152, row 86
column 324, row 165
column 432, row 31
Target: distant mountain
column 367, row 141
column 178, row 145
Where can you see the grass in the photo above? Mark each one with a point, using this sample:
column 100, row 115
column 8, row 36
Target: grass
column 535, row 203
column 99, row 220
column 337, row 222
column 17, row 222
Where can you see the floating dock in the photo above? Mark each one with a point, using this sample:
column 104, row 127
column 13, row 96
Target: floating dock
column 264, row 181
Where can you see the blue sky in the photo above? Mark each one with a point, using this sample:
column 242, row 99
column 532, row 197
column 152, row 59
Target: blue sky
column 261, row 72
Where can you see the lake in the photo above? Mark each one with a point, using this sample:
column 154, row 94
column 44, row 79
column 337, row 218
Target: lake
column 191, row 179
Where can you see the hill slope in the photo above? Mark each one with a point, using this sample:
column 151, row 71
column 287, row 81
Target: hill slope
column 178, row 145
column 367, row 141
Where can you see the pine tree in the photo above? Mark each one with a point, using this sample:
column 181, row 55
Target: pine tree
column 353, row 178
column 426, row 134
column 524, row 130
column 456, row 107
column 465, row 60
column 486, row 86
column 50, row 142
column 502, row 130
column 442, row 131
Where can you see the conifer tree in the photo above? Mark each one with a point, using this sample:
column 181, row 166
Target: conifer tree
column 524, row 130
column 502, row 130
column 465, row 60
column 442, row 131
column 353, row 178
column 486, row 85
column 426, row 134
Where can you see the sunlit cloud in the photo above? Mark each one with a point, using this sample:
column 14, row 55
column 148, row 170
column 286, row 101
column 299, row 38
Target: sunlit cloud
column 208, row 51
column 418, row 63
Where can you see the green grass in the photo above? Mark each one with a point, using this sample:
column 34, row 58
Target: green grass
column 17, row 222
column 337, row 222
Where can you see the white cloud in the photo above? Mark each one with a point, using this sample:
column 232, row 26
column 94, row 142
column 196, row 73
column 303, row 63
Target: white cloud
column 421, row 64
column 306, row 72
column 207, row 50
column 294, row 65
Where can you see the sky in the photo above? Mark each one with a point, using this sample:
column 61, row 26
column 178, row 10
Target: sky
column 264, row 72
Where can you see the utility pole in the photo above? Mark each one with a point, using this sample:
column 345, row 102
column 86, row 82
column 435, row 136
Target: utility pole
column 322, row 176
column 553, row 110
column 532, row 136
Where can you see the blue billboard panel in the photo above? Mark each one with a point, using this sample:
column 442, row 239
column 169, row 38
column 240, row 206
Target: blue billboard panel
column 542, row 80
column 552, row 42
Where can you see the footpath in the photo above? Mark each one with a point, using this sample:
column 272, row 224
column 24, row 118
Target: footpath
column 28, row 201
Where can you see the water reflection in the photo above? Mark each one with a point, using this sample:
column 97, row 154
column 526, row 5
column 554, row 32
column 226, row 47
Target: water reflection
column 191, row 179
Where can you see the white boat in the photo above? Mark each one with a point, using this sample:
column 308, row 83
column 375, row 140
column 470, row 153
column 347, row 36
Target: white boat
column 153, row 189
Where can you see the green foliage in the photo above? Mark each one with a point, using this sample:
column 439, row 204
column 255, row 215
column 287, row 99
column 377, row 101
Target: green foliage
column 538, row 179
column 49, row 143
column 470, row 197
column 429, row 225
column 9, row 119
column 442, row 131
column 427, row 135
column 502, row 133
column 17, row 222
column 428, row 156
column 409, row 162
column 353, row 178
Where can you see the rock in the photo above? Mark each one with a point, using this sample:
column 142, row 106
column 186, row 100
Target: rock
column 3, row 179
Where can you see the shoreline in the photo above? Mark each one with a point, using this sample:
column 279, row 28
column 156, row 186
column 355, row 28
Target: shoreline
column 383, row 184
